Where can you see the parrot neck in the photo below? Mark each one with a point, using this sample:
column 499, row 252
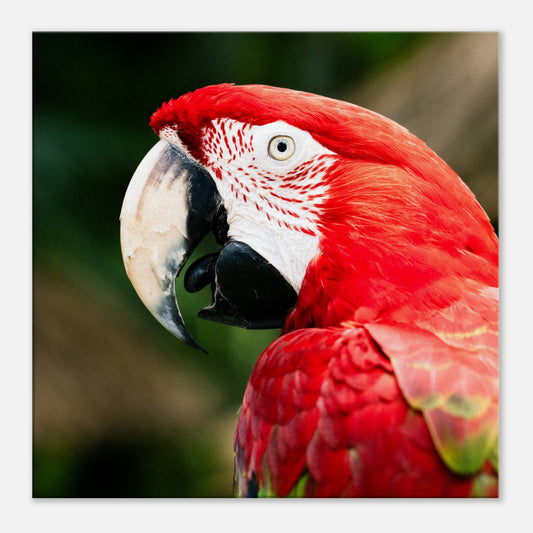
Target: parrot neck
column 398, row 288
column 394, row 253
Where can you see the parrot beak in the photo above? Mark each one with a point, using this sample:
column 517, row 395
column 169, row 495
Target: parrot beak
column 170, row 205
column 159, row 230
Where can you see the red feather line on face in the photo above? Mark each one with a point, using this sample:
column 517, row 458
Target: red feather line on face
column 225, row 140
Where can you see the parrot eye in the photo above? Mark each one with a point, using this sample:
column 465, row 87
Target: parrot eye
column 281, row 147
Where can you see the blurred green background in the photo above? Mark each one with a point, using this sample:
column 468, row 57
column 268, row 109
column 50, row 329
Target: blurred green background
column 121, row 408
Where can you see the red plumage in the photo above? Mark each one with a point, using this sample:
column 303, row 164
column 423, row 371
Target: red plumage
column 385, row 381
column 325, row 406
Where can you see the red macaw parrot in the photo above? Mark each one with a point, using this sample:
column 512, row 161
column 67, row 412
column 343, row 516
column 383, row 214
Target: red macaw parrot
column 347, row 230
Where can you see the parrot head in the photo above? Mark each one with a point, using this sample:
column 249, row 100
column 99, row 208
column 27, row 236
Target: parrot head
column 308, row 197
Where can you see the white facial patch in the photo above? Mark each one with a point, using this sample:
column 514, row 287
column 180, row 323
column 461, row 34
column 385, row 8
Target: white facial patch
column 270, row 179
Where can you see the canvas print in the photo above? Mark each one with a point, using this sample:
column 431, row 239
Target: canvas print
column 266, row 266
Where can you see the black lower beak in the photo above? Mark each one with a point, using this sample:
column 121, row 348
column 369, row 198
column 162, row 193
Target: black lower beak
column 247, row 290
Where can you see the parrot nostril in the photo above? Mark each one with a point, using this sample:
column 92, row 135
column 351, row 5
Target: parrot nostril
column 201, row 273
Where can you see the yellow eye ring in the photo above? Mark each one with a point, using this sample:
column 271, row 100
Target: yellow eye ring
column 281, row 147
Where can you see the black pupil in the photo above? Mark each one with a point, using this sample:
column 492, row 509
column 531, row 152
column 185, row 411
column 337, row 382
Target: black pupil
column 282, row 146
